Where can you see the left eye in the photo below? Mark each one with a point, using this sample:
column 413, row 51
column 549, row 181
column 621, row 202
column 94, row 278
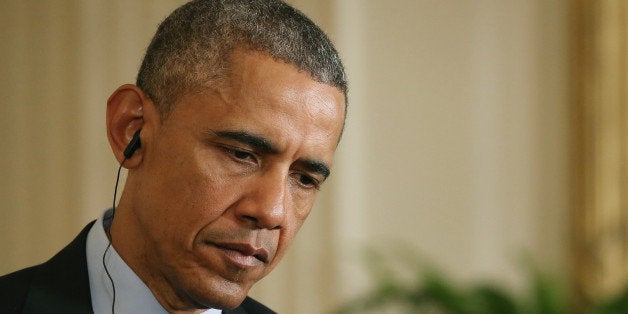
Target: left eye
column 308, row 181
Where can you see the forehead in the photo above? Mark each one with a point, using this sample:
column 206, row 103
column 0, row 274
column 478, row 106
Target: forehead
column 247, row 66
column 270, row 97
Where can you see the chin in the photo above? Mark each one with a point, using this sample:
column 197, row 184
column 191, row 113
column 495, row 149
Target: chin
column 227, row 302
column 223, row 295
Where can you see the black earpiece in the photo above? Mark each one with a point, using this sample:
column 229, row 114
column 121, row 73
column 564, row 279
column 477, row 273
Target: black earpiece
column 134, row 144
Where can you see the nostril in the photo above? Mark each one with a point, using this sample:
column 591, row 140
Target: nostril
column 249, row 218
column 261, row 224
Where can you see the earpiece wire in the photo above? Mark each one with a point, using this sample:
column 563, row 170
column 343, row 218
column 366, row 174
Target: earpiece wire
column 113, row 214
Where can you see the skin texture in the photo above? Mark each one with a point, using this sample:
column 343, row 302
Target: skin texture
column 219, row 188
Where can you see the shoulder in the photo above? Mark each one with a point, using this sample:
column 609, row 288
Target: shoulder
column 60, row 285
column 14, row 288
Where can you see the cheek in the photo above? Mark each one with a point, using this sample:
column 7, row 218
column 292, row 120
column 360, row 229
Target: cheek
column 187, row 197
column 204, row 198
column 288, row 234
column 301, row 208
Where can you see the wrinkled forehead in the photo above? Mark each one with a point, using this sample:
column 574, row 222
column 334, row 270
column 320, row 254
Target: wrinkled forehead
column 236, row 74
column 215, row 72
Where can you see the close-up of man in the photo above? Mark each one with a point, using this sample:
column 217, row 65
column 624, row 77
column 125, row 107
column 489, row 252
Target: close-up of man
column 313, row 156
column 227, row 135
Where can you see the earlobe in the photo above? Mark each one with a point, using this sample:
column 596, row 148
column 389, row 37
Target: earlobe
column 125, row 117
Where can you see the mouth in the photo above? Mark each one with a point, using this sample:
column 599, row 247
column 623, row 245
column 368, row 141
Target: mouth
column 243, row 254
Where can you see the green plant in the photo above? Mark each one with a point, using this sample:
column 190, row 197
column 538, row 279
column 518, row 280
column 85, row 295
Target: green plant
column 430, row 291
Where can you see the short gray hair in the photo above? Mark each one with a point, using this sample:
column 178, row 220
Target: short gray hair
column 192, row 46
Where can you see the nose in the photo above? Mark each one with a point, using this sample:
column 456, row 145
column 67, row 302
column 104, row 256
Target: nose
column 265, row 202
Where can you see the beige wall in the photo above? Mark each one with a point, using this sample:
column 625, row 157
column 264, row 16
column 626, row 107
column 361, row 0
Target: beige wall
column 456, row 143
column 60, row 61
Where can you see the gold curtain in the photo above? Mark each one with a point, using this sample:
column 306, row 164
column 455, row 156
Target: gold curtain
column 601, row 191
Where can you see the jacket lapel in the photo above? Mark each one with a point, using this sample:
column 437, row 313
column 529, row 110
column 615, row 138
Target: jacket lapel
column 61, row 285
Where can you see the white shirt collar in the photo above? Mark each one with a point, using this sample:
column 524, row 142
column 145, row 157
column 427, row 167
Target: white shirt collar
column 132, row 295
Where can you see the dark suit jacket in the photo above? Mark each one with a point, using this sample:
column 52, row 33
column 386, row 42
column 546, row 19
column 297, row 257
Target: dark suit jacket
column 61, row 285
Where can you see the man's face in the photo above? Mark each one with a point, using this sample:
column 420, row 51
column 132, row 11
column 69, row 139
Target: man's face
column 227, row 180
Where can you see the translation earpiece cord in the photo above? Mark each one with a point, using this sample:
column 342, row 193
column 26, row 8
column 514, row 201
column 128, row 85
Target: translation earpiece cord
column 113, row 213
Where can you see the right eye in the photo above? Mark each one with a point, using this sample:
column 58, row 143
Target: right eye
column 239, row 154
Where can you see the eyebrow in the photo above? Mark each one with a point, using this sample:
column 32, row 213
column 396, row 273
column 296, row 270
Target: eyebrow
column 263, row 145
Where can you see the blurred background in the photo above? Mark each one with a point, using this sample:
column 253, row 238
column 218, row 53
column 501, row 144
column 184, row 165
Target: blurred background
column 477, row 131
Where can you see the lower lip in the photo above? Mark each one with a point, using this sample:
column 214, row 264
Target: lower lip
column 239, row 259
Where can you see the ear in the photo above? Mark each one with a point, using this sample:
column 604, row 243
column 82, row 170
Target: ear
column 125, row 115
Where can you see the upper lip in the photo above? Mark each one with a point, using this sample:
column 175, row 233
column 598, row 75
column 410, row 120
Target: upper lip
column 246, row 249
